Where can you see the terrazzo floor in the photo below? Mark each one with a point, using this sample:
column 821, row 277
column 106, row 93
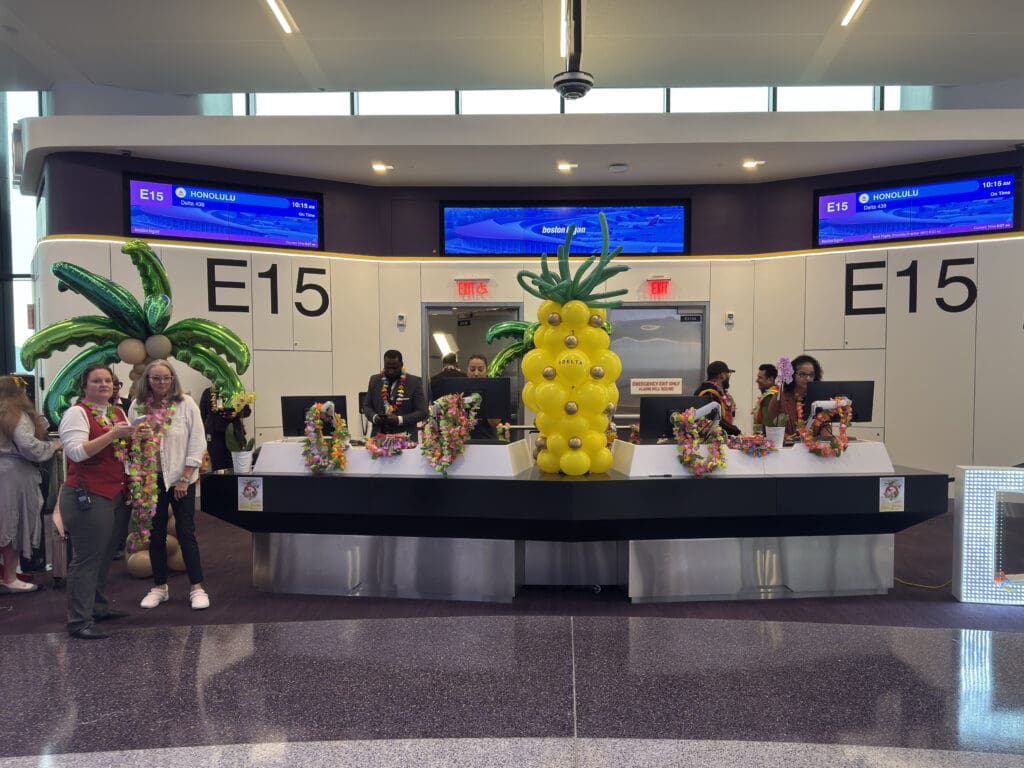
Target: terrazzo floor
column 515, row 690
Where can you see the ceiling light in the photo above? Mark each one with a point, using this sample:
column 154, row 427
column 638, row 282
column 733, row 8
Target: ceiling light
column 563, row 33
column 445, row 343
column 618, row 167
column 567, row 167
column 282, row 16
column 750, row 165
column 382, row 167
column 854, row 7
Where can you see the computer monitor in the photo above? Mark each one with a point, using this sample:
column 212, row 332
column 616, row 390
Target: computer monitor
column 294, row 407
column 656, row 412
column 862, row 393
column 495, row 394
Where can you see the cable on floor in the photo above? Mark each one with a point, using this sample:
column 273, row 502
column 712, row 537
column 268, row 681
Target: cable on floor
column 923, row 586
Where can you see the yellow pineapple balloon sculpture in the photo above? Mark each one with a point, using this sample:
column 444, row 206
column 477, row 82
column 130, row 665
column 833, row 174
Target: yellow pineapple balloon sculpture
column 571, row 372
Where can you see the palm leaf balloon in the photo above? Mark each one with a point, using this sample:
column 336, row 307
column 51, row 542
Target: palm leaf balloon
column 131, row 332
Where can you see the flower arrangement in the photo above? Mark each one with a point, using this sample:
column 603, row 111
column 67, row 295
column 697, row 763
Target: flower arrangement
column 319, row 456
column 382, row 446
column 755, row 446
column 634, row 434
column 780, row 419
column 504, row 430
column 143, row 487
column 691, row 433
column 611, row 434
column 242, row 399
column 829, row 446
column 447, row 429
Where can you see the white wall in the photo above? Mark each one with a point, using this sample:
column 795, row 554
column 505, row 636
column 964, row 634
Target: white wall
column 946, row 370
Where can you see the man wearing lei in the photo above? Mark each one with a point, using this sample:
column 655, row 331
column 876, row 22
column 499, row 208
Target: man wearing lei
column 395, row 403
column 766, row 376
column 716, row 386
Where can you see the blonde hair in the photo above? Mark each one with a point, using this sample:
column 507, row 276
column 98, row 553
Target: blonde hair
column 144, row 393
column 13, row 403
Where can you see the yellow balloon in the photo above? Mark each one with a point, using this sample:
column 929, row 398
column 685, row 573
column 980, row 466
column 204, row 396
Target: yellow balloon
column 594, row 441
column 612, row 393
column 576, row 314
column 575, row 425
column 533, row 363
column 556, row 443
column 553, row 341
column 573, row 366
column 552, row 396
column 546, row 308
column 574, row 463
column 530, row 396
column 593, row 340
column 598, row 423
column 611, row 364
column 601, row 461
column 548, row 422
column 547, row 462
column 600, row 312
column 592, row 396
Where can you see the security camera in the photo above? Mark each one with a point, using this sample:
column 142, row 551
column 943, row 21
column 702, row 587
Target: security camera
column 573, row 85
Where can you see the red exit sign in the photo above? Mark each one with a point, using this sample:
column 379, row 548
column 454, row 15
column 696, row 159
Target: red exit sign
column 472, row 289
column 659, row 287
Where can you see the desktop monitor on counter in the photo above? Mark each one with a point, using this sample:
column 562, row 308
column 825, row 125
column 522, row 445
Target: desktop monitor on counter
column 656, row 413
column 862, row 393
column 495, row 394
column 294, row 407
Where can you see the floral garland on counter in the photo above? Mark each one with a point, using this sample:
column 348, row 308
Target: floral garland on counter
column 634, row 434
column 315, row 450
column 143, row 487
column 504, row 430
column 832, row 446
column 447, row 429
column 691, row 433
column 755, row 446
column 382, row 446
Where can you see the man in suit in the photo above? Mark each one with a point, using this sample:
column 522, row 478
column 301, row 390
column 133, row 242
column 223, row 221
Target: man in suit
column 394, row 398
column 449, row 367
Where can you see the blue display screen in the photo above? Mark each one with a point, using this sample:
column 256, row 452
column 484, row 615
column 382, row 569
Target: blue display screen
column 513, row 230
column 196, row 211
column 937, row 208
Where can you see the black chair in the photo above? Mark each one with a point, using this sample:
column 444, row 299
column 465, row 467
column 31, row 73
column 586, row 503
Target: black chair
column 362, row 416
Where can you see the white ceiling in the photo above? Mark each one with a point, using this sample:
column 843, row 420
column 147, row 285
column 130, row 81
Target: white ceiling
column 218, row 46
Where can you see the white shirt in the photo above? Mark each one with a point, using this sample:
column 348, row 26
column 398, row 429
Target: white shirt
column 183, row 443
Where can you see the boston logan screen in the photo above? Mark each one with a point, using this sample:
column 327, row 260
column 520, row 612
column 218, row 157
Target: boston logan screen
column 200, row 211
column 518, row 228
column 917, row 209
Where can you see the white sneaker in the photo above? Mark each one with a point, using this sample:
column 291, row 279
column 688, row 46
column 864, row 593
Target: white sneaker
column 154, row 597
column 198, row 599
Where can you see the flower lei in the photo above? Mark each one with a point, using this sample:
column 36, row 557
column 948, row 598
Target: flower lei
column 690, row 432
column 106, row 420
column 755, row 446
column 385, row 393
column 319, row 457
column 447, row 429
column 831, row 446
column 634, row 434
column 504, row 430
column 388, row 445
column 143, row 488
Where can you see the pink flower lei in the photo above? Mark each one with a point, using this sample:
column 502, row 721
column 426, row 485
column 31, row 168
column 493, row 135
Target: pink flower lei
column 691, row 433
column 755, row 446
column 143, row 485
column 382, row 446
column 318, row 455
column 827, row 446
column 106, row 419
column 447, row 429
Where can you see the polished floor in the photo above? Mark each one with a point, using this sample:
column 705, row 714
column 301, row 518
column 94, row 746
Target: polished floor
column 516, row 690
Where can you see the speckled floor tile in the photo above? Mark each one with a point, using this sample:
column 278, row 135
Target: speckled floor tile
column 336, row 680
column 815, row 683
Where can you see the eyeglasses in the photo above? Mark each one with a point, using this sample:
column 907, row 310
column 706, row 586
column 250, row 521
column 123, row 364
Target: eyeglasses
column 161, row 379
column 805, row 374
column 117, row 385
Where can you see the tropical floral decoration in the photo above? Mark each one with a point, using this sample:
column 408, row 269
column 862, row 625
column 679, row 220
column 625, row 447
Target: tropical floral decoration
column 785, row 376
column 692, row 434
column 449, row 422
column 382, row 446
column 827, row 446
column 755, row 446
column 504, row 431
column 131, row 332
column 323, row 454
column 143, row 474
column 634, row 434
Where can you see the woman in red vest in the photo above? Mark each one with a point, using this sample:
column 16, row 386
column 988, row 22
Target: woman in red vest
column 93, row 500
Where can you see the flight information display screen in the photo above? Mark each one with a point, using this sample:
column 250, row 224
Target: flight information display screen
column 200, row 211
column 919, row 209
column 518, row 228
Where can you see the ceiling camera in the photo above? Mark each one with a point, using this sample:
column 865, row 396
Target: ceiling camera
column 573, row 85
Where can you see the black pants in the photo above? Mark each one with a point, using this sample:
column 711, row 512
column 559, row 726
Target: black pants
column 184, row 525
column 91, row 532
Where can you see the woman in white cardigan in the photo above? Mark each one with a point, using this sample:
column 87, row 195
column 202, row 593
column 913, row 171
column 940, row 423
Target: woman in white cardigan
column 172, row 419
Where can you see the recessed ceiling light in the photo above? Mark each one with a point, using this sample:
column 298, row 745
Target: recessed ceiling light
column 567, row 167
column 854, row 7
column 382, row 167
column 618, row 167
column 751, row 165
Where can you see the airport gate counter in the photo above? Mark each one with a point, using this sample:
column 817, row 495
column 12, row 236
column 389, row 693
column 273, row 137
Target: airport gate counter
column 395, row 528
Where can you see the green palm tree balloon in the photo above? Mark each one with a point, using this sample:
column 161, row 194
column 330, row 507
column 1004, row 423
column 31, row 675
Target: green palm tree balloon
column 127, row 331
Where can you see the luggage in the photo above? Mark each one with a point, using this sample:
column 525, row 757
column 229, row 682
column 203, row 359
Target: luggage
column 60, row 558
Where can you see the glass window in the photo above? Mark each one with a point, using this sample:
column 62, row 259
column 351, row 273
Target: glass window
column 718, row 99
column 618, row 101
column 21, row 104
column 825, row 98
column 892, row 97
column 531, row 102
column 406, row 102
column 238, row 102
column 305, row 104
column 22, row 299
